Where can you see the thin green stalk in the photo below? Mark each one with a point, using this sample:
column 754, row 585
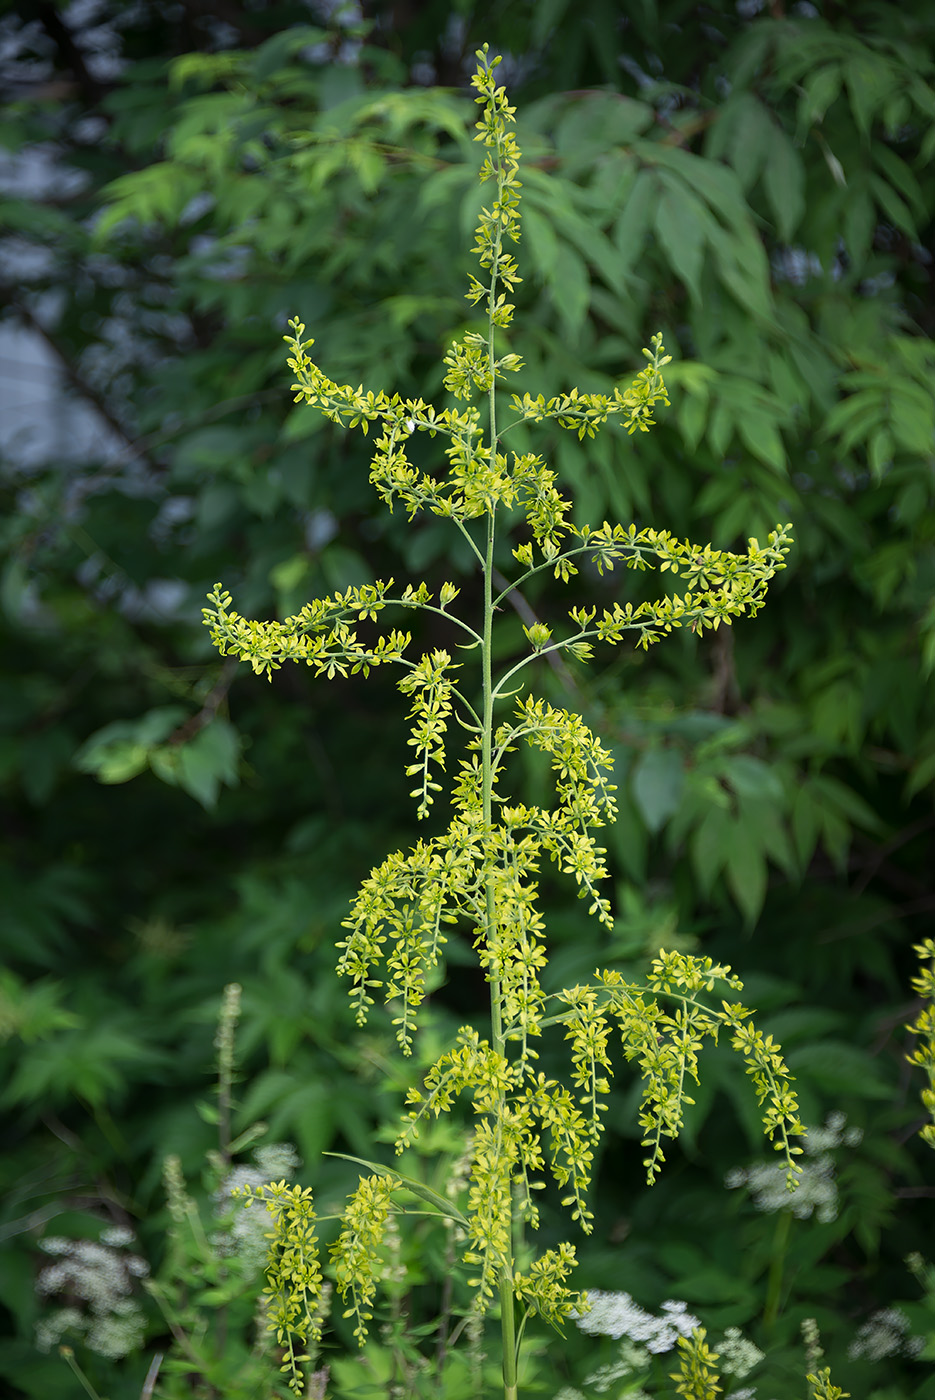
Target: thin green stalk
column 776, row 1267
column 507, row 1319
column 68, row 1356
column 507, row 1323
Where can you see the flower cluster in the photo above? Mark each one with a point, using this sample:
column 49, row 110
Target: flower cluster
column 885, row 1333
column 245, row 1232
column 664, row 1040
column 617, row 1315
column 293, row 1272
column 738, row 1355
column 696, row 1378
column 923, row 1028
column 817, row 1192
column 97, row 1280
column 643, row 1335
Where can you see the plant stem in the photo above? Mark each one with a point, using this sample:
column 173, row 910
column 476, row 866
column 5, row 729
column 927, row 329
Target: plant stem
column 507, row 1324
column 68, row 1356
column 777, row 1263
column 507, row 1319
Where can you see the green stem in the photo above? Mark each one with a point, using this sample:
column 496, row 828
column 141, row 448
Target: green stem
column 467, row 535
column 534, row 656
column 507, row 1318
column 68, row 1356
column 442, row 612
column 507, row 1321
column 611, row 559
column 776, row 1266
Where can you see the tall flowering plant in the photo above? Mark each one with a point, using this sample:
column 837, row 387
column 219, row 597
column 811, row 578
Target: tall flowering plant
column 476, row 878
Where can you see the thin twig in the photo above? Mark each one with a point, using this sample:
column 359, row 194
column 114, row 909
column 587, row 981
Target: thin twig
column 209, row 709
column 528, row 615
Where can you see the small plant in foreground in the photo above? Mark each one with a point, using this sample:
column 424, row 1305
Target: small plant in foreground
column 479, row 875
column 207, row 1286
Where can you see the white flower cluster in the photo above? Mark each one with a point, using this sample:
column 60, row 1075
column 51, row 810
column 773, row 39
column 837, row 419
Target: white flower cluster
column 834, row 1134
column 885, row 1333
column 245, row 1233
column 456, row 1183
column 617, row 1315
column 101, row 1276
column 737, row 1356
column 630, row 1360
column 816, row 1191
column 644, row 1335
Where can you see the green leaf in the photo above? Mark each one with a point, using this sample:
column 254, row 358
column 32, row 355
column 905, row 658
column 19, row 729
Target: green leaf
column 894, row 208
column 441, row 1203
column 578, row 228
column 636, row 219
column 784, row 183
column 294, row 1107
column 32, row 1012
column 745, row 868
column 545, row 17
column 208, row 760
column 860, row 219
column 715, row 184
column 900, row 176
column 289, row 573
column 570, row 289
column 855, row 418
column 680, row 227
column 845, row 800
column 219, row 743
column 801, row 1023
column 120, row 750
column 751, row 777
column 911, row 419
column 274, row 53
column 90, row 1064
column 27, row 217
column 761, row 437
column 164, row 763
column 819, row 90
column 751, row 138
column 657, row 782
column 838, row 1068
column 741, row 265
column 922, row 774
column 207, row 450
column 596, row 121
column 692, row 416
column 543, row 241
column 710, row 845
column 156, row 194
column 720, row 428
column 869, row 79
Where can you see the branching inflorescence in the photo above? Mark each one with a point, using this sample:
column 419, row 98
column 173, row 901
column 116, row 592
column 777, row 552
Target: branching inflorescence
column 481, row 872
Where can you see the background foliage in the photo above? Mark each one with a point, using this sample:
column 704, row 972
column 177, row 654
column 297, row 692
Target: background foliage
column 749, row 179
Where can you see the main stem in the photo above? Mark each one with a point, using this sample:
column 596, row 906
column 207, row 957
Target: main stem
column 507, row 1318
column 776, row 1267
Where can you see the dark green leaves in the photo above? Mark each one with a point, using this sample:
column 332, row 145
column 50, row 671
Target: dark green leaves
column 657, row 781
column 198, row 764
